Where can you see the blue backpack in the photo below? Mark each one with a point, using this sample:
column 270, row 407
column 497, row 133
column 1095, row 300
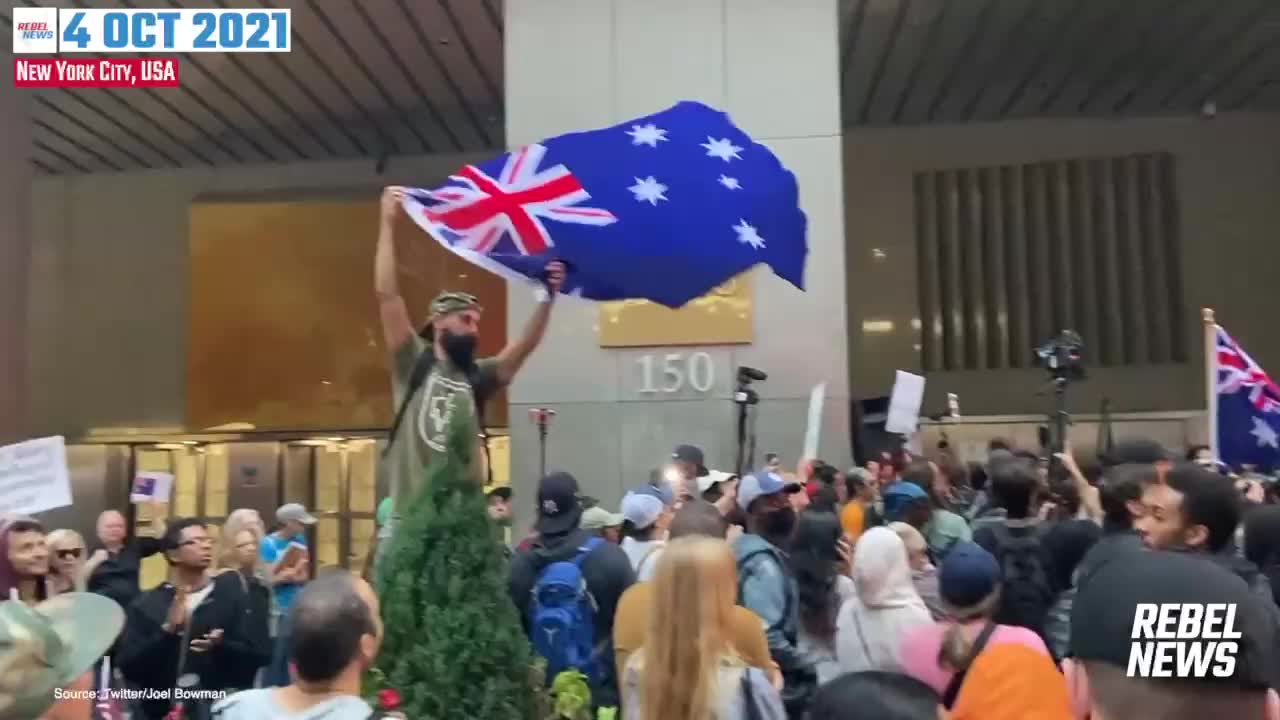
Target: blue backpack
column 562, row 617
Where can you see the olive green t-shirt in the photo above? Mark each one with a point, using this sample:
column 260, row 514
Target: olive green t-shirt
column 443, row 401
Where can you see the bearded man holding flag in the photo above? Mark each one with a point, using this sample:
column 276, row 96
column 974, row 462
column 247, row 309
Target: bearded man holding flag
column 437, row 381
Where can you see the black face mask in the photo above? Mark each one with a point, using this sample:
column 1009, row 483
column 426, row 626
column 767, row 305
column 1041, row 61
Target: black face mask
column 779, row 524
column 461, row 349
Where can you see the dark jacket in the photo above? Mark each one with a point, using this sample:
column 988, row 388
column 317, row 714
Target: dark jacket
column 768, row 588
column 1114, row 544
column 117, row 576
column 149, row 657
column 608, row 574
column 255, row 631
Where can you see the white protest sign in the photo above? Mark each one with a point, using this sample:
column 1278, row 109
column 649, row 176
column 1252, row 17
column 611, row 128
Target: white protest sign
column 34, row 477
column 151, row 487
column 814, row 428
column 904, row 404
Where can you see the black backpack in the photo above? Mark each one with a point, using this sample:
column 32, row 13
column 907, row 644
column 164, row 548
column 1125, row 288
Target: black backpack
column 421, row 369
column 1026, row 593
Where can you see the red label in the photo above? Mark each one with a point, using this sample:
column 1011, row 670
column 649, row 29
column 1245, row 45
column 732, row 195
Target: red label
column 95, row 73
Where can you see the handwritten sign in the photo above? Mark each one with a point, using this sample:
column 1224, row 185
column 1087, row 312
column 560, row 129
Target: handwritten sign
column 34, row 477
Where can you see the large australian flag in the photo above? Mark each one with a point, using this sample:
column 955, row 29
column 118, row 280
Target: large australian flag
column 664, row 208
column 1248, row 408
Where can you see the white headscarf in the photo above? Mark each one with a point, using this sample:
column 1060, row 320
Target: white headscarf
column 872, row 622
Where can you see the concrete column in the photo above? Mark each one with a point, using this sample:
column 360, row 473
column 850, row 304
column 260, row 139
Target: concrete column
column 577, row 64
column 15, row 255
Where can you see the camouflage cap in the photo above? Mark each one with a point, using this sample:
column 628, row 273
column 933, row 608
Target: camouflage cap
column 48, row 646
column 450, row 302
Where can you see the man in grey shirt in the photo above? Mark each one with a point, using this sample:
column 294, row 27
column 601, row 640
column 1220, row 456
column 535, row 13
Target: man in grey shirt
column 337, row 630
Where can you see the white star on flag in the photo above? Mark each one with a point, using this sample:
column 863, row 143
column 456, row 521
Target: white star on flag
column 729, row 182
column 1265, row 433
column 649, row 190
column 747, row 234
column 649, row 135
column 722, row 148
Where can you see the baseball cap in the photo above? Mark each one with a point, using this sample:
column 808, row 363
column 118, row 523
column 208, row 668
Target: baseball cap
column 691, row 455
column 662, row 491
column 48, row 646
column 449, row 302
column 502, row 491
column 295, row 511
column 597, row 518
column 1102, row 616
column 706, row 482
column 900, row 494
column 761, row 485
column 968, row 575
column 642, row 509
column 559, row 508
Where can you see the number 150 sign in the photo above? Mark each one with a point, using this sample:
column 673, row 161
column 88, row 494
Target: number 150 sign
column 673, row 372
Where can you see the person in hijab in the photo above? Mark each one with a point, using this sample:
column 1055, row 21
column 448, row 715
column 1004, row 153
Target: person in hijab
column 939, row 654
column 884, row 608
column 1066, row 544
column 1013, row 682
column 923, row 573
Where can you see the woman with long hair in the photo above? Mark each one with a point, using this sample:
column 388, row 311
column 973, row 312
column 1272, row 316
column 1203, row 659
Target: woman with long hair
column 820, row 561
column 940, row 654
column 240, row 566
column 68, row 571
column 885, row 606
column 687, row 668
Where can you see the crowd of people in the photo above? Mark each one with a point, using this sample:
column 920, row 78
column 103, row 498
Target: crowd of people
column 911, row 588
column 221, row 620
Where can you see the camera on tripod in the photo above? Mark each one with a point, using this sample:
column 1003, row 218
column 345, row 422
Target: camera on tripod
column 1063, row 356
column 743, row 394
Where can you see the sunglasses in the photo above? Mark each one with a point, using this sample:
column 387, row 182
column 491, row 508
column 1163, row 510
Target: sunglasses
column 70, row 553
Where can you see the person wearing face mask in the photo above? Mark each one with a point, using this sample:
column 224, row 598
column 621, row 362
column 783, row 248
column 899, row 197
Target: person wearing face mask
column 767, row 585
column 438, row 381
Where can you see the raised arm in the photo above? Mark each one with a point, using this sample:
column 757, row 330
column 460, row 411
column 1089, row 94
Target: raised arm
column 512, row 357
column 397, row 329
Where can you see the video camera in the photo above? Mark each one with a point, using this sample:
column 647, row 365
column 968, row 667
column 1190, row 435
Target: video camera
column 1063, row 356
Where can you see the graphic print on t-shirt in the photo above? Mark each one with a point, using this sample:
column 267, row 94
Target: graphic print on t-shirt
column 440, row 402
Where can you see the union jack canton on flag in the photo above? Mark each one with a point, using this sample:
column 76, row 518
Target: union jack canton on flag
column 664, row 208
column 1248, row 408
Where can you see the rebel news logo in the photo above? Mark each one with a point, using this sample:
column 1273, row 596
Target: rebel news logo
column 1183, row 640
column 35, row 30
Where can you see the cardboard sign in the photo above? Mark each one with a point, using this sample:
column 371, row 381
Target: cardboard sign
column 814, row 427
column 904, row 404
column 34, row 477
column 151, row 487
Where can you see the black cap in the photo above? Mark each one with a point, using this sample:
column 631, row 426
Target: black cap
column 691, row 455
column 1135, row 451
column 1102, row 616
column 559, row 507
column 501, row 491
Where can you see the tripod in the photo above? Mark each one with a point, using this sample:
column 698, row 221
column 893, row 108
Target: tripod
column 542, row 418
column 1061, row 418
column 745, row 399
